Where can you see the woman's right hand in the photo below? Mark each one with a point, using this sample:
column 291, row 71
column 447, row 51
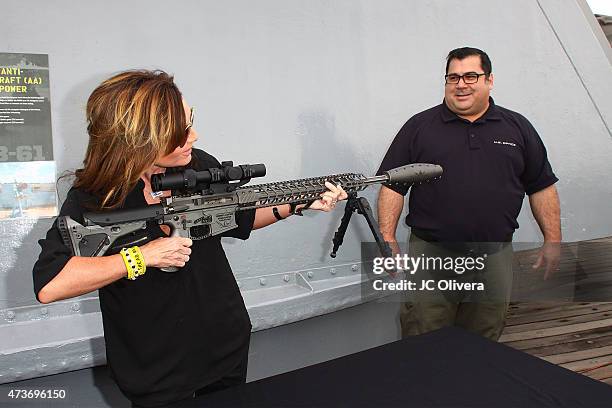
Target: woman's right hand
column 165, row 252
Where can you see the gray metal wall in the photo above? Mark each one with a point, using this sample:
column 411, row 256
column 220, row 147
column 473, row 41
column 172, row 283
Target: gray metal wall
column 309, row 88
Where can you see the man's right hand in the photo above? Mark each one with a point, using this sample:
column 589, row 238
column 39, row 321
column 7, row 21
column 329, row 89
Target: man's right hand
column 166, row 252
column 395, row 248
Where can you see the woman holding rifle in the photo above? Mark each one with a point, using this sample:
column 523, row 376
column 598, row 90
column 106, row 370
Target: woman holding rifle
column 169, row 336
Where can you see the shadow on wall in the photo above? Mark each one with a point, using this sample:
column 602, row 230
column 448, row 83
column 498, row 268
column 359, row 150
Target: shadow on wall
column 19, row 251
column 108, row 389
column 324, row 153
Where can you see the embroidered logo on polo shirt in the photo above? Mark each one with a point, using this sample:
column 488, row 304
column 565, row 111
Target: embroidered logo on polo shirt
column 504, row 143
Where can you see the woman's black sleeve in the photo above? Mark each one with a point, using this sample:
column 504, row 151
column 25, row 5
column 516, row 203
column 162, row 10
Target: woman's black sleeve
column 54, row 253
column 245, row 220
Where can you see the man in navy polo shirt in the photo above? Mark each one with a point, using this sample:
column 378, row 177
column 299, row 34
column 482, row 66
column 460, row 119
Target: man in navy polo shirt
column 491, row 157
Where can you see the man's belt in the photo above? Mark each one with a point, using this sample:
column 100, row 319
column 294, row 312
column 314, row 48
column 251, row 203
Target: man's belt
column 464, row 248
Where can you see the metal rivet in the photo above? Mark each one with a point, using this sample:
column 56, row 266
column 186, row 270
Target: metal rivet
column 310, row 274
column 354, row 268
column 286, row 278
column 332, row 271
column 262, row 281
column 76, row 307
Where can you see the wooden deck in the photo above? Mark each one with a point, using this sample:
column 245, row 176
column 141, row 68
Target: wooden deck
column 577, row 336
column 566, row 320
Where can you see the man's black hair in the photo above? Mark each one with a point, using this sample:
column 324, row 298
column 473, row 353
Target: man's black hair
column 464, row 52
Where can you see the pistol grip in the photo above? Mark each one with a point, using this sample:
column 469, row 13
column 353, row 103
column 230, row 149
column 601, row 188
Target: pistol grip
column 173, row 233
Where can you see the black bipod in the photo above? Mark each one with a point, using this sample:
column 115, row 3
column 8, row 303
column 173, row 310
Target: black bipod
column 362, row 206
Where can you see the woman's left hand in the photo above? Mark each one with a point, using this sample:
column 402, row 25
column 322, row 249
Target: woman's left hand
column 330, row 198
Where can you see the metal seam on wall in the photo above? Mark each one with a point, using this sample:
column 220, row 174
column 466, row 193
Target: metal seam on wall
column 575, row 69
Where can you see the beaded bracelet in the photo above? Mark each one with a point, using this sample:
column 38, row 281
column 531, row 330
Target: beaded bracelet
column 134, row 262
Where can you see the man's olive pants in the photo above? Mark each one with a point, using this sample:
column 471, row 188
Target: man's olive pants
column 481, row 312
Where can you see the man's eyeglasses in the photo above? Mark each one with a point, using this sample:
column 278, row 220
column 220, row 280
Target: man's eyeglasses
column 468, row 78
column 190, row 124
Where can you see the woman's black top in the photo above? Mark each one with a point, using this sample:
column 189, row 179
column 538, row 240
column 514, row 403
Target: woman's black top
column 167, row 334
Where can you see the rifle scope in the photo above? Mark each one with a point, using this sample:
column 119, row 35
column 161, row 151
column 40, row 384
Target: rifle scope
column 189, row 178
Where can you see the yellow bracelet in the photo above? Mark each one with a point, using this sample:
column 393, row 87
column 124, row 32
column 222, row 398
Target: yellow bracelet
column 134, row 262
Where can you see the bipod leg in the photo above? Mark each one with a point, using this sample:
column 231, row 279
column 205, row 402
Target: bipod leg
column 349, row 208
column 363, row 208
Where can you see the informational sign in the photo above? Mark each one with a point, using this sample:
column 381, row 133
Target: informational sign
column 27, row 169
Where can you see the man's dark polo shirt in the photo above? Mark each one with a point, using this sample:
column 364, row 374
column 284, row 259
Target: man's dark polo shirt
column 489, row 165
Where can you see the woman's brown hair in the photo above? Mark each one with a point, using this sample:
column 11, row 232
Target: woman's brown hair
column 133, row 118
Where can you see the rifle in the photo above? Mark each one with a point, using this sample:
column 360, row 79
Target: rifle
column 204, row 203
